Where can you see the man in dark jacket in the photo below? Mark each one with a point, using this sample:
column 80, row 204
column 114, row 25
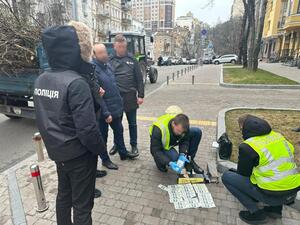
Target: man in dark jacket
column 112, row 109
column 257, row 178
column 168, row 132
column 130, row 82
column 66, row 119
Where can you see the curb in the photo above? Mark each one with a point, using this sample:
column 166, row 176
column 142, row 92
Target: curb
column 255, row 86
column 224, row 165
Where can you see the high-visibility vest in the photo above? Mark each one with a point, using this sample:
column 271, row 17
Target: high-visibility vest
column 163, row 124
column 277, row 170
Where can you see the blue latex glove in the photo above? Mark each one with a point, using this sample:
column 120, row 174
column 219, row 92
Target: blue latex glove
column 182, row 160
column 175, row 167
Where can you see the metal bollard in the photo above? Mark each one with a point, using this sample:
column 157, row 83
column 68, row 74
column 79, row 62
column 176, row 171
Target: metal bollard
column 178, row 74
column 193, row 79
column 39, row 150
column 167, row 80
column 185, row 70
column 38, row 188
column 181, row 72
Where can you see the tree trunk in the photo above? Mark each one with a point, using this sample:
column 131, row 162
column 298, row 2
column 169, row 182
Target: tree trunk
column 260, row 27
column 242, row 37
column 251, row 21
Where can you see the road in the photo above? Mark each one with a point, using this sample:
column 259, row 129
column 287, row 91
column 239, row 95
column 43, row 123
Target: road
column 16, row 134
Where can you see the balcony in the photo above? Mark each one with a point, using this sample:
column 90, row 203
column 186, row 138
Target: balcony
column 103, row 14
column 125, row 5
column 292, row 22
column 126, row 21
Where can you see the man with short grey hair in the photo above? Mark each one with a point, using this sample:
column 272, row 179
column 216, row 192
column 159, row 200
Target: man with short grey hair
column 129, row 79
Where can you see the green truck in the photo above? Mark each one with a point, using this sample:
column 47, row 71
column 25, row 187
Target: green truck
column 16, row 90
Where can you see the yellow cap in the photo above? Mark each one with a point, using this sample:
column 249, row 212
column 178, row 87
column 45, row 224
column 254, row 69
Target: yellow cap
column 174, row 109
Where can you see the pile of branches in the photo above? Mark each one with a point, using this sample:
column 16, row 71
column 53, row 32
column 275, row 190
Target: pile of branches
column 21, row 29
column 18, row 40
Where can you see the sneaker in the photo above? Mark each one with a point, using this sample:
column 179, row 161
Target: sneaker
column 274, row 212
column 297, row 129
column 258, row 217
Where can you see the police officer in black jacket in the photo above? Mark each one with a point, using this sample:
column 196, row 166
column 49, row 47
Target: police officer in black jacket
column 130, row 82
column 66, row 119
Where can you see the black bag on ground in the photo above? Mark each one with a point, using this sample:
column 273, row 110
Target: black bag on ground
column 225, row 146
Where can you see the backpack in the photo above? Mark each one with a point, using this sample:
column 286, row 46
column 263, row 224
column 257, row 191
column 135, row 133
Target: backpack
column 225, row 146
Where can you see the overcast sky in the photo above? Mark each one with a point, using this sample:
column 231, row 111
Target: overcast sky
column 221, row 10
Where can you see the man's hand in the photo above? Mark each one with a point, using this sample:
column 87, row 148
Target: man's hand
column 182, row 160
column 101, row 92
column 108, row 119
column 175, row 167
column 140, row 101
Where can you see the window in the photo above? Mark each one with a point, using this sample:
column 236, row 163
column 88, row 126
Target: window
column 298, row 10
column 84, row 8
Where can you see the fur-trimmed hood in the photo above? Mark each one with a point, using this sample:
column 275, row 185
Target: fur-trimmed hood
column 68, row 47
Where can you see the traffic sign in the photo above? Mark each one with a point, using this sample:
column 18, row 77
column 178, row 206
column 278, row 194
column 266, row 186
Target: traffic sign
column 204, row 32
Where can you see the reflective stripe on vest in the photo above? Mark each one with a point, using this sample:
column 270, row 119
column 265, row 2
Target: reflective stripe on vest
column 277, row 169
column 163, row 124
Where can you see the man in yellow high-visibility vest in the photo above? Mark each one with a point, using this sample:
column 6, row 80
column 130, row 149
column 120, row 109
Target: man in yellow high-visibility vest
column 169, row 131
column 266, row 171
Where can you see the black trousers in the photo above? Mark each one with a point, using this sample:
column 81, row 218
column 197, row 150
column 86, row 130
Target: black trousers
column 76, row 186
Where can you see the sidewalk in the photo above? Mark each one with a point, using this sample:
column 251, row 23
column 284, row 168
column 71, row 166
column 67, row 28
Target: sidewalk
column 130, row 195
column 292, row 73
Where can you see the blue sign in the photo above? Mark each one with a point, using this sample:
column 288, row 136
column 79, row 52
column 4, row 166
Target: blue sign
column 204, row 32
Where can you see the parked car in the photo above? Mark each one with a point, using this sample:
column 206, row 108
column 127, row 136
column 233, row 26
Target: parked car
column 179, row 62
column 184, row 61
column 166, row 61
column 232, row 58
column 193, row 61
column 174, row 61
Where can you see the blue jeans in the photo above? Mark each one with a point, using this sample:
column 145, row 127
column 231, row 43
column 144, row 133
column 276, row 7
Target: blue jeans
column 131, row 118
column 118, row 130
column 195, row 138
column 247, row 193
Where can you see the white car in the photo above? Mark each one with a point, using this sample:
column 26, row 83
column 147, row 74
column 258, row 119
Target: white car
column 226, row 59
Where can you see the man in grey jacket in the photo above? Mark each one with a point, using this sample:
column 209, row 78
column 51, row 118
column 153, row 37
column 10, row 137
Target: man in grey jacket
column 129, row 79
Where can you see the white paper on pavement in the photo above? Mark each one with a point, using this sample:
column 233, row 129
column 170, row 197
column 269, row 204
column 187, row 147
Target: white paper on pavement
column 186, row 196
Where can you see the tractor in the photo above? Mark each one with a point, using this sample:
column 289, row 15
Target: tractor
column 136, row 47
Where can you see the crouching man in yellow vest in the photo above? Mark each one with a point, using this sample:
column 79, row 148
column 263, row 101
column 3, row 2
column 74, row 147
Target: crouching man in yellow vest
column 266, row 171
column 172, row 130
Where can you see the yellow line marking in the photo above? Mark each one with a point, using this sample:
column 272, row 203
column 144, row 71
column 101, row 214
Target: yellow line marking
column 192, row 122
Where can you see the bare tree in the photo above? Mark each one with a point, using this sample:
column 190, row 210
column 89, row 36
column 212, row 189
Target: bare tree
column 20, row 32
column 255, row 11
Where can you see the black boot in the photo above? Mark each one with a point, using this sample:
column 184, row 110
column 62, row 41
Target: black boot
column 274, row 212
column 129, row 155
column 113, row 150
column 258, row 217
column 97, row 193
column 110, row 165
column 196, row 168
column 100, row 173
column 134, row 150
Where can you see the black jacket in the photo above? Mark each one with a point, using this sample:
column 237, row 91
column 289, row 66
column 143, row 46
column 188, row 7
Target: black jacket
column 113, row 103
column 248, row 158
column 157, row 149
column 63, row 100
column 129, row 80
